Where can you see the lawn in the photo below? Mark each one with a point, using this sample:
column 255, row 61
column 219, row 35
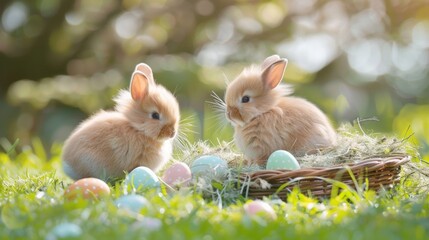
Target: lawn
column 33, row 207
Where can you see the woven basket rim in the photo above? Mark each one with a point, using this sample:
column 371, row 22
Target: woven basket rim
column 381, row 172
column 393, row 160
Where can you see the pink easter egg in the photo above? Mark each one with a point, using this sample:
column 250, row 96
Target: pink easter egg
column 177, row 174
column 259, row 207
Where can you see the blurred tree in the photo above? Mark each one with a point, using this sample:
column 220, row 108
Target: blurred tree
column 43, row 38
column 352, row 58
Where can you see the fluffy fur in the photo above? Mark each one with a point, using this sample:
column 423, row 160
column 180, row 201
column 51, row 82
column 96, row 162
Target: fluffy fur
column 272, row 120
column 113, row 142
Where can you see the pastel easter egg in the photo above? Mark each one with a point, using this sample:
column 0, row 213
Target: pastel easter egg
column 132, row 202
column 282, row 159
column 148, row 224
column 259, row 207
column 88, row 188
column 209, row 165
column 65, row 230
column 178, row 174
column 142, row 178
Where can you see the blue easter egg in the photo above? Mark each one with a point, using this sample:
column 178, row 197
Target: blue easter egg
column 65, row 230
column 132, row 202
column 282, row 159
column 209, row 165
column 142, row 178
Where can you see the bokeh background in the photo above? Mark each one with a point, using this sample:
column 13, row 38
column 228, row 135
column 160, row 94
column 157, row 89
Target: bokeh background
column 61, row 61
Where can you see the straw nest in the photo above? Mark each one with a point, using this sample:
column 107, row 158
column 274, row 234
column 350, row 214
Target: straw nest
column 354, row 146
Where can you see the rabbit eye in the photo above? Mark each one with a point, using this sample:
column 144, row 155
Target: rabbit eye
column 245, row 99
column 155, row 115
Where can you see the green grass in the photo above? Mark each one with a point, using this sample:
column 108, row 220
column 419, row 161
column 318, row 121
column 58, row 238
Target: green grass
column 32, row 205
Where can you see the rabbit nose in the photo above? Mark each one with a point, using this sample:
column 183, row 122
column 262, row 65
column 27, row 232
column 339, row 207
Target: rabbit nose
column 233, row 114
column 167, row 131
column 172, row 133
column 228, row 112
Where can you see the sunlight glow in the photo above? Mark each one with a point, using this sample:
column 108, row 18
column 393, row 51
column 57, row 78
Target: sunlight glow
column 14, row 16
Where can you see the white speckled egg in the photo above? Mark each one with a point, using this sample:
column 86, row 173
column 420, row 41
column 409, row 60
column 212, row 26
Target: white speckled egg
column 209, row 164
column 142, row 178
column 88, row 188
column 282, row 159
column 178, row 174
column 132, row 202
column 259, row 207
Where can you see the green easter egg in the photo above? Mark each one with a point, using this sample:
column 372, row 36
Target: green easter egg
column 142, row 178
column 282, row 159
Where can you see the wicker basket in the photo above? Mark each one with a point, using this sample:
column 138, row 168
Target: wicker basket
column 376, row 172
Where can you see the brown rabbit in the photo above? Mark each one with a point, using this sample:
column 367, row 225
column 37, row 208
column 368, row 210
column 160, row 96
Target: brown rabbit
column 139, row 132
column 266, row 119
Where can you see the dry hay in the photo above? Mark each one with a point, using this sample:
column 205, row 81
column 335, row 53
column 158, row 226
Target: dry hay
column 353, row 146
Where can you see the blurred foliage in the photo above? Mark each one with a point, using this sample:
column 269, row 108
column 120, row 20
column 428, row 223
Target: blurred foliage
column 63, row 60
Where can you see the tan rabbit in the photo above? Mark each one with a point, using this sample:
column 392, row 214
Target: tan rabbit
column 266, row 119
column 139, row 132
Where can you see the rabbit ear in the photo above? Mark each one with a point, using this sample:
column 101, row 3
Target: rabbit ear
column 273, row 73
column 144, row 68
column 139, row 86
column 269, row 61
